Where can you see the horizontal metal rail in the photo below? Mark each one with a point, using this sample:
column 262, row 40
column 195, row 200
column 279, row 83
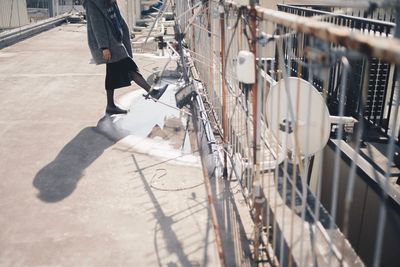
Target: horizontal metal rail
column 346, row 3
column 386, row 49
column 314, row 12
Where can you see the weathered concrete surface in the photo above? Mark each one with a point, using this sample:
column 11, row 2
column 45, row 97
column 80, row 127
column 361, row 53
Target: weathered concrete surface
column 76, row 194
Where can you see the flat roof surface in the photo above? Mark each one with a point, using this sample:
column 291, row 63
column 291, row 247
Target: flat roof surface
column 82, row 189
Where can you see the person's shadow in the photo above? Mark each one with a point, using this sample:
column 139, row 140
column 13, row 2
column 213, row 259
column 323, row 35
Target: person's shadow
column 58, row 179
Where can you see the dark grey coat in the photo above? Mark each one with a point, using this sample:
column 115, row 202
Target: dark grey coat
column 101, row 34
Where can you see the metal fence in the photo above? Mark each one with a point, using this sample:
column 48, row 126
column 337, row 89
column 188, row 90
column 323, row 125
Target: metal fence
column 376, row 13
column 43, row 9
column 274, row 130
column 380, row 89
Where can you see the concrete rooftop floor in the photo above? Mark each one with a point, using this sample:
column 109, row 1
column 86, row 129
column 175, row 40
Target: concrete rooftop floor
column 81, row 189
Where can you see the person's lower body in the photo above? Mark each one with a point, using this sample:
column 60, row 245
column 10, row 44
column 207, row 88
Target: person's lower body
column 120, row 74
column 112, row 108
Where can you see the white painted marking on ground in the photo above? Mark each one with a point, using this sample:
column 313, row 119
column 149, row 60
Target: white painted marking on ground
column 134, row 128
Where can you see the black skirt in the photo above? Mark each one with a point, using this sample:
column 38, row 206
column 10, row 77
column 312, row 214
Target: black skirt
column 119, row 74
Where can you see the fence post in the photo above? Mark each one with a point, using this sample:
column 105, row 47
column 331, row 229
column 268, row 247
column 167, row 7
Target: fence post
column 397, row 20
column 51, row 8
column 258, row 197
column 253, row 30
column 223, row 85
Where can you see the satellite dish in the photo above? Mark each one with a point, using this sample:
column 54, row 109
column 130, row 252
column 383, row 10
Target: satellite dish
column 311, row 119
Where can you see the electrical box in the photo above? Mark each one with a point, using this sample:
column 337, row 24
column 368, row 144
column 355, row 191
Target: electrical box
column 245, row 67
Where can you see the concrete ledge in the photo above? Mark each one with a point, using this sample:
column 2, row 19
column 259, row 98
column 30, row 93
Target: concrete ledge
column 369, row 197
column 10, row 37
column 375, row 179
column 304, row 241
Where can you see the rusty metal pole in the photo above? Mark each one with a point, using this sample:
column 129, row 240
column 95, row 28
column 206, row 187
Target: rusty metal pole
column 258, row 196
column 253, row 30
column 224, row 94
column 193, row 44
column 397, row 29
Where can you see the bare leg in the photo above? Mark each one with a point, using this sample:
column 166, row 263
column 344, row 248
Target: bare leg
column 111, row 107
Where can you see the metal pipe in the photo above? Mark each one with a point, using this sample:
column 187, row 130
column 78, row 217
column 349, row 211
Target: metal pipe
column 253, row 30
column 336, row 168
column 201, row 112
column 224, row 93
column 258, row 196
column 397, row 29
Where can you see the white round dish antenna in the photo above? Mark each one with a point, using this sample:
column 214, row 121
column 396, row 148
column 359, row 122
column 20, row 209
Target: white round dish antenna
column 311, row 121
